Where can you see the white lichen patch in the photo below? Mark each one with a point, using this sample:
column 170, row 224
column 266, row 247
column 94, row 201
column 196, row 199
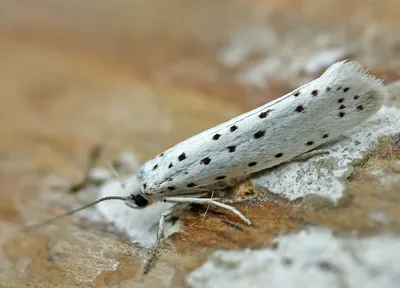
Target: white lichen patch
column 264, row 52
column 246, row 43
column 312, row 257
column 324, row 175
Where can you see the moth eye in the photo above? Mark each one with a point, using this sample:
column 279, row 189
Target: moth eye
column 140, row 201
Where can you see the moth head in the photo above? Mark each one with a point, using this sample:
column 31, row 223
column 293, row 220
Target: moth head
column 138, row 201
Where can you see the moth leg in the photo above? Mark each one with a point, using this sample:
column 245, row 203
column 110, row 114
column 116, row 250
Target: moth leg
column 182, row 200
column 310, row 154
column 160, row 237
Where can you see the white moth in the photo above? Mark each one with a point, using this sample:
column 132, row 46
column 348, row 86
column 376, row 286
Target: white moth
column 298, row 122
column 342, row 98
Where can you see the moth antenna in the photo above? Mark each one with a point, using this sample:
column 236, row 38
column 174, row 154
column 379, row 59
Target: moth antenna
column 49, row 221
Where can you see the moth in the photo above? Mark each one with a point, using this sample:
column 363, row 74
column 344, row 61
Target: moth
column 343, row 97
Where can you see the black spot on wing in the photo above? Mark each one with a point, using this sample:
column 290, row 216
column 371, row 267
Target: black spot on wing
column 216, row 136
column 264, row 114
column 205, row 161
column 232, row 148
column 259, row 134
column 182, row 157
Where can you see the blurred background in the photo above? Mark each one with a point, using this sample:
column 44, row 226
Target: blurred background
column 149, row 73
column 143, row 75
